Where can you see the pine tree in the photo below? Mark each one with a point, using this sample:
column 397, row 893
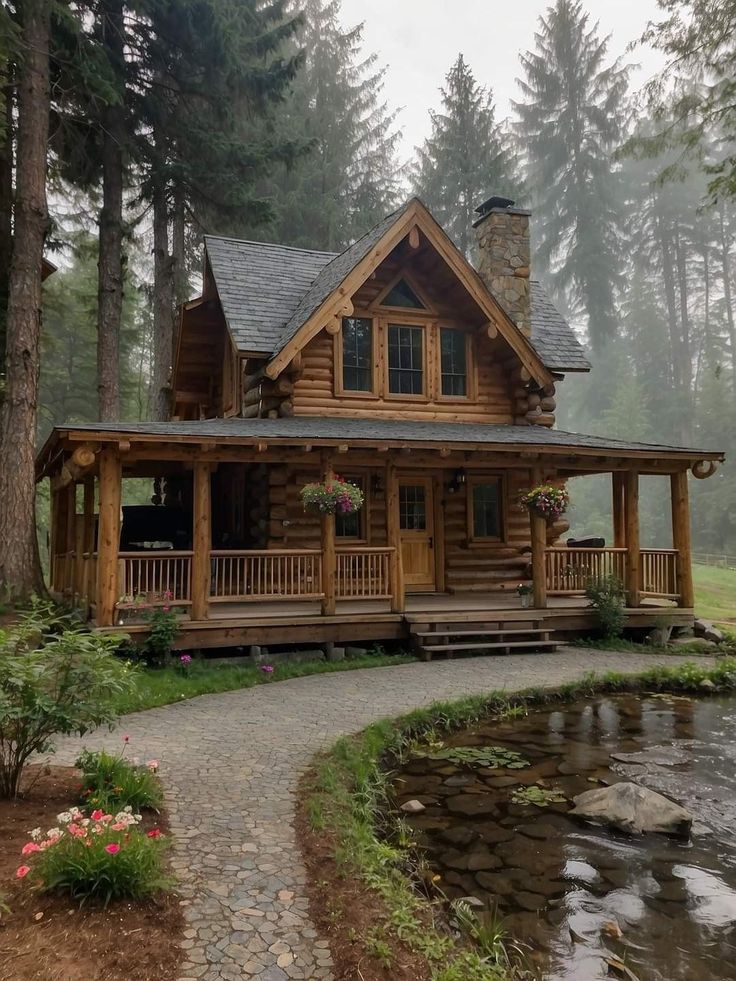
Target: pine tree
column 570, row 122
column 350, row 178
column 466, row 158
column 19, row 567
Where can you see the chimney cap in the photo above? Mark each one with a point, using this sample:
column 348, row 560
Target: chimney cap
column 494, row 203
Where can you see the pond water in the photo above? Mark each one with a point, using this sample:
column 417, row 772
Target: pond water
column 574, row 893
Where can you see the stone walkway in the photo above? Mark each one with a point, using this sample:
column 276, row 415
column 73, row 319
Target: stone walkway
column 230, row 764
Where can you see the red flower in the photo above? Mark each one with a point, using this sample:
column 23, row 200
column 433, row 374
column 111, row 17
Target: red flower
column 112, row 849
column 154, row 833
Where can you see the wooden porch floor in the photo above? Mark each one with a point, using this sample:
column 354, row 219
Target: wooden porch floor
column 301, row 623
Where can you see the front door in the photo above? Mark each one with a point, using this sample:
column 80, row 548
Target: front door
column 416, row 528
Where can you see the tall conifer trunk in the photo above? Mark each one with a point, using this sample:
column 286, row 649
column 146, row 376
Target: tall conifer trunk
column 19, row 568
column 727, row 292
column 110, row 263
column 162, row 306
column 6, row 208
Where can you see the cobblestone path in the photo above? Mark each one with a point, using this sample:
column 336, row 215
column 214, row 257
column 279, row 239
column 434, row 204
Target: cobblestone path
column 230, row 764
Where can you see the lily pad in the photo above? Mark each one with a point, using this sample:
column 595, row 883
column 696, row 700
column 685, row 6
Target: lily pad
column 493, row 757
column 540, row 796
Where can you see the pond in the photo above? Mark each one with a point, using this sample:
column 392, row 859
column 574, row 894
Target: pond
column 496, row 827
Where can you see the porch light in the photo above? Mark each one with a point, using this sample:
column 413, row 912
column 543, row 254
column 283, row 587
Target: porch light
column 457, row 481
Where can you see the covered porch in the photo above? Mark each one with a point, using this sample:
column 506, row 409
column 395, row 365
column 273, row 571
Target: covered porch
column 278, row 567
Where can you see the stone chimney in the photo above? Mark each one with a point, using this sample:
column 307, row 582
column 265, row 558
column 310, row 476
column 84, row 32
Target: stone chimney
column 502, row 237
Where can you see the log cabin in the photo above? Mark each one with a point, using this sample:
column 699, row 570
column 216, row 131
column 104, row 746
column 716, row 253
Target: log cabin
column 429, row 383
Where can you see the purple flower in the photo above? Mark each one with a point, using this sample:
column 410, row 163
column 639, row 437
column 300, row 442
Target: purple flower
column 185, row 659
column 267, row 668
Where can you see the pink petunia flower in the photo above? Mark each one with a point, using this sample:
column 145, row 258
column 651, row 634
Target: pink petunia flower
column 267, row 668
column 97, row 815
column 30, row 848
column 112, row 848
column 23, row 871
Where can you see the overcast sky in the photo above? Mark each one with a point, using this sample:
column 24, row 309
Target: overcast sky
column 419, row 39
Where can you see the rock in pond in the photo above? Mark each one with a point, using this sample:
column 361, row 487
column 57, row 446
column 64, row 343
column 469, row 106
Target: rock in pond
column 633, row 809
column 413, row 807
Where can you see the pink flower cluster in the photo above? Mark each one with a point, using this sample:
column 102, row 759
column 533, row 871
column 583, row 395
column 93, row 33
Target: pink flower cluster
column 73, row 824
column 335, row 496
column 547, row 500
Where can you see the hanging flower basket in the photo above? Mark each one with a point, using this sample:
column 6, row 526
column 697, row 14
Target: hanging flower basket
column 547, row 501
column 335, row 496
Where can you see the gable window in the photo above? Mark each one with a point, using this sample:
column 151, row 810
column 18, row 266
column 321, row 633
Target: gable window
column 357, row 354
column 485, row 509
column 405, row 359
column 402, row 295
column 352, row 526
column 454, row 362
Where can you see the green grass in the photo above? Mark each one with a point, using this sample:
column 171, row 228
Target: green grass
column 715, row 593
column 346, row 795
column 161, row 686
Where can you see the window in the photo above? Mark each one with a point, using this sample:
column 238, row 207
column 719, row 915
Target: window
column 357, row 354
column 402, row 295
column 405, row 360
column 412, row 507
column 485, row 506
column 454, row 362
column 352, row 525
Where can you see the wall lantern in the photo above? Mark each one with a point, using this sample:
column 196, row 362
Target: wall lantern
column 458, row 481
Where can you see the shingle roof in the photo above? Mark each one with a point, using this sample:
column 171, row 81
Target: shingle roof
column 377, row 431
column 268, row 291
column 260, row 285
column 552, row 336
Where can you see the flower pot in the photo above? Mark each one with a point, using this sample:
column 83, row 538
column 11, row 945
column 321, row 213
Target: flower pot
column 526, row 600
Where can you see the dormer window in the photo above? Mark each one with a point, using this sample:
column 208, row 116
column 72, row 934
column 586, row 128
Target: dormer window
column 357, row 354
column 402, row 295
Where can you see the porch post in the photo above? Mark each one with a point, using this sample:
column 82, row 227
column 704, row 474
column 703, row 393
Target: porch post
column 538, row 526
column 681, row 538
column 88, row 538
column 633, row 556
column 393, row 536
column 327, row 542
column 619, row 518
column 108, row 545
column 201, row 542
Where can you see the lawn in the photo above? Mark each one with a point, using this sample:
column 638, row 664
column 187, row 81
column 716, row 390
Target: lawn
column 715, row 593
column 161, row 686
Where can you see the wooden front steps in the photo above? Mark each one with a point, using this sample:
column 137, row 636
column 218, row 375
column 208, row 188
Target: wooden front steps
column 432, row 634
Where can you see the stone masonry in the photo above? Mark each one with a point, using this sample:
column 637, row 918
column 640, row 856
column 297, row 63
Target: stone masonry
column 502, row 236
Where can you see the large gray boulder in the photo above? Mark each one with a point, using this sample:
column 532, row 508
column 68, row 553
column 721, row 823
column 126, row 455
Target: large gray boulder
column 634, row 809
column 706, row 630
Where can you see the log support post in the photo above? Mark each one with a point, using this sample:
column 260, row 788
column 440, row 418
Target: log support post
column 681, row 538
column 201, row 542
column 108, row 545
column 619, row 519
column 327, row 540
column 398, row 598
column 633, row 546
column 538, row 526
column 88, row 539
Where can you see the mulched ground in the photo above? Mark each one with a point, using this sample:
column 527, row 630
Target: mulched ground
column 345, row 912
column 46, row 938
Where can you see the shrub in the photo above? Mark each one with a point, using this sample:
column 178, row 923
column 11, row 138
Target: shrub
column 606, row 595
column 162, row 630
column 111, row 782
column 55, row 678
column 103, row 856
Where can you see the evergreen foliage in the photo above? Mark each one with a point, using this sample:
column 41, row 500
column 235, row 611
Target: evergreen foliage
column 466, row 158
column 350, row 178
column 571, row 119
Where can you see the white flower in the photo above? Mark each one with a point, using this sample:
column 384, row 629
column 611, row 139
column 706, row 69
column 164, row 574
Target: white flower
column 54, row 833
column 36, row 834
column 64, row 818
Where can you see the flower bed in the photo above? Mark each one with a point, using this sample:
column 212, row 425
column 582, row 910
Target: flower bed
column 48, row 934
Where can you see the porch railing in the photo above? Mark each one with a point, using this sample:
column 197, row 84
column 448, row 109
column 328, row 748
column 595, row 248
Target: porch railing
column 159, row 577
column 659, row 573
column 569, row 570
column 266, row 574
column 363, row 573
